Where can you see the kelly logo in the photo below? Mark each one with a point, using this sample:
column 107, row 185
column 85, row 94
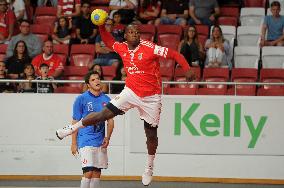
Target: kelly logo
column 210, row 125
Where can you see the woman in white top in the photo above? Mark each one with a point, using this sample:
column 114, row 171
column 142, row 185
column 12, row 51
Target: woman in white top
column 218, row 49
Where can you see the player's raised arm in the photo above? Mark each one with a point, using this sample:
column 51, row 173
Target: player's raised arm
column 107, row 38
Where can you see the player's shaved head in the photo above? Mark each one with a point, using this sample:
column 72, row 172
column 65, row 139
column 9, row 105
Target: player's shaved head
column 132, row 35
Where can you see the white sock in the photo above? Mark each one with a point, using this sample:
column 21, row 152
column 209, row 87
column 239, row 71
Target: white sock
column 77, row 125
column 95, row 183
column 150, row 160
column 85, row 183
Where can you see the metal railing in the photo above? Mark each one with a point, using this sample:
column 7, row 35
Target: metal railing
column 109, row 82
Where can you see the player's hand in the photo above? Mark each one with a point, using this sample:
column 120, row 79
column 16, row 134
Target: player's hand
column 190, row 75
column 74, row 149
column 105, row 142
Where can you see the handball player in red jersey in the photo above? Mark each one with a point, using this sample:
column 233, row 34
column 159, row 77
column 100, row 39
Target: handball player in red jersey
column 142, row 88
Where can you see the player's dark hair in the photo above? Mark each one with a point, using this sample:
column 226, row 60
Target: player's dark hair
column 88, row 76
column 275, row 3
column 43, row 65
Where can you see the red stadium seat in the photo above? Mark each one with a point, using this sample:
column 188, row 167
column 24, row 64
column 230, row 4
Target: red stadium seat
column 211, row 91
column 228, row 20
column 243, row 75
column 216, row 75
column 179, row 76
column 230, row 11
column 3, row 49
column 169, row 35
column 255, row 3
column 109, row 72
column 62, row 51
column 82, row 54
column 104, row 7
column 45, row 15
column 74, row 78
column 271, row 76
column 100, row 2
column 180, row 91
column 68, row 89
column 147, row 31
column 41, row 30
column 75, row 71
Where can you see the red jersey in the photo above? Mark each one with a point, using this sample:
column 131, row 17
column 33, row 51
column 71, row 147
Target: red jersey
column 68, row 6
column 6, row 19
column 141, row 64
column 54, row 63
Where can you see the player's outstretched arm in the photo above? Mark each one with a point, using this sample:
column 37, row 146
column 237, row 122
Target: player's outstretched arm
column 179, row 58
column 107, row 38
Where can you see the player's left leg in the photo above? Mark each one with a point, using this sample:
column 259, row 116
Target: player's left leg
column 152, row 144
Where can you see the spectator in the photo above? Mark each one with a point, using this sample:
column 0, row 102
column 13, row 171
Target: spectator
column 191, row 48
column 149, row 11
column 62, row 31
column 29, row 74
column 203, row 12
column 120, row 76
column 7, row 22
column 173, row 12
column 33, row 43
column 273, row 26
column 16, row 63
column 126, row 8
column 106, row 56
column 98, row 68
column 218, row 49
column 45, row 87
column 18, row 6
column 69, row 9
column 118, row 27
column 86, row 31
column 52, row 60
column 4, row 87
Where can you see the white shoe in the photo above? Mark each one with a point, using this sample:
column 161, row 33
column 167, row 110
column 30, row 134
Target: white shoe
column 65, row 131
column 147, row 176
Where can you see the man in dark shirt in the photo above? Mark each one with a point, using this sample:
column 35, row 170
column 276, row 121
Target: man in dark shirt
column 86, row 31
column 174, row 12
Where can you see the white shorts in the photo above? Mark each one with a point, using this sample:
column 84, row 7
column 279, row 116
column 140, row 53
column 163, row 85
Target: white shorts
column 149, row 107
column 93, row 157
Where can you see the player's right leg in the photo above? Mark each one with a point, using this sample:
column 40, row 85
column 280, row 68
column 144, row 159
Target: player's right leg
column 91, row 119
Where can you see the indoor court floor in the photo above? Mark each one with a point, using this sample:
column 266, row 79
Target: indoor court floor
column 127, row 184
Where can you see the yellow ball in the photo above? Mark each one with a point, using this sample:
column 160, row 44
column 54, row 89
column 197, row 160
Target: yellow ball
column 99, row 16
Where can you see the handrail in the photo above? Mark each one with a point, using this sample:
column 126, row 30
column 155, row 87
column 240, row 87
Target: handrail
column 109, row 82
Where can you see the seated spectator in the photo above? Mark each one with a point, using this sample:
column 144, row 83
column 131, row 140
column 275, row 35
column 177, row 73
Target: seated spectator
column 118, row 27
column 106, row 56
column 126, row 8
column 218, row 49
column 99, row 69
column 7, row 22
column 203, row 12
column 173, row 12
column 149, row 11
column 15, row 64
column 86, row 31
column 273, row 26
column 69, row 9
column 5, row 87
column 29, row 74
column 52, row 60
column 45, row 87
column 62, row 31
column 120, row 76
column 33, row 43
column 191, row 48
column 18, row 6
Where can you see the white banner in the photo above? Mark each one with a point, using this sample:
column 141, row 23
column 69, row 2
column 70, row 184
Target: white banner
column 216, row 125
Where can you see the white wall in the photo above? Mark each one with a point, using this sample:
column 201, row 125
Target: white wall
column 28, row 145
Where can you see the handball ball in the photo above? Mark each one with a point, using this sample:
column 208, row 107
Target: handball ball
column 99, row 16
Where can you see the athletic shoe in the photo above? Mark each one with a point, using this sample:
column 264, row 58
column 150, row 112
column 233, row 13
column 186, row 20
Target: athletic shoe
column 65, row 131
column 147, row 176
